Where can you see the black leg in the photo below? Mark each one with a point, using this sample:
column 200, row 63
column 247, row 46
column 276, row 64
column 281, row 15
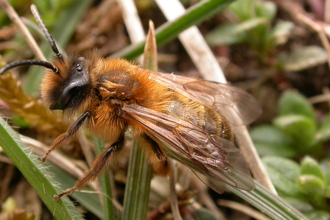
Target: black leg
column 98, row 165
column 63, row 137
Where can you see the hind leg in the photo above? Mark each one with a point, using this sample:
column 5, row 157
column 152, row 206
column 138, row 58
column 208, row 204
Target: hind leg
column 155, row 155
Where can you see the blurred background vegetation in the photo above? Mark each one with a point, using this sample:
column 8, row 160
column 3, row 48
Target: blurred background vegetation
column 277, row 50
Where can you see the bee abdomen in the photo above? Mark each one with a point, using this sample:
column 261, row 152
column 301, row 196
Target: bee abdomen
column 203, row 117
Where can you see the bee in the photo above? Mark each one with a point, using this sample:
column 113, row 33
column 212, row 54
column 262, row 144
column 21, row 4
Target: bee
column 173, row 116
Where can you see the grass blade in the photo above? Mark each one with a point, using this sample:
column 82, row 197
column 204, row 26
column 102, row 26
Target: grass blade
column 270, row 204
column 109, row 211
column 137, row 191
column 170, row 30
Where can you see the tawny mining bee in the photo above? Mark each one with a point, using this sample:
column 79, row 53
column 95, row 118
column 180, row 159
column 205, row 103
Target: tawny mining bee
column 174, row 116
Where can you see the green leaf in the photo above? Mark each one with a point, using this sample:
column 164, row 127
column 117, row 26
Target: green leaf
column 300, row 128
column 226, row 34
column 323, row 134
column 251, row 9
column 283, row 173
column 294, row 103
column 229, row 34
column 270, row 141
column 309, row 166
column 314, row 187
column 311, row 184
column 327, row 180
column 243, row 9
column 327, row 192
column 282, row 31
column 305, row 57
column 266, row 9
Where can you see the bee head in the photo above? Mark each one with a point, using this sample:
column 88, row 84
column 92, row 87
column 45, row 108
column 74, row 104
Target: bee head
column 69, row 87
column 66, row 82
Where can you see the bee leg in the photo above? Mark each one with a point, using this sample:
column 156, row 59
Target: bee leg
column 63, row 137
column 156, row 157
column 98, row 165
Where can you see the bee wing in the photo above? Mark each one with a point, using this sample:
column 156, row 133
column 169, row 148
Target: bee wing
column 236, row 105
column 209, row 155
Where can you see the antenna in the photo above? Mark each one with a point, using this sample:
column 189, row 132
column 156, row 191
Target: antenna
column 46, row 32
column 29, row 62
column 38, row 62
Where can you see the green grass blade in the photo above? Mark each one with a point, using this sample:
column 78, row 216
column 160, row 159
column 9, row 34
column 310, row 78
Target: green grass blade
column 36, row 173
column 109, row 211
column 137, row 191
column 270, row 204
column 168, row 31
column 138, row 186
column 62, row 32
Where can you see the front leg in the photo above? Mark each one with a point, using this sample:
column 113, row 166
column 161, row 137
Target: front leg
column 98, row 165
column 63, row 137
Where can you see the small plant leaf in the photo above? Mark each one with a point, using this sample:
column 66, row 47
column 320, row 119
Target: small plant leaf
column 306, row 57
column 314, row 187
column 266, row 9
column 311, row 184
column 269, row 140
column 283, row 173
column 229, row 34
column 294, row 103
column 282, row 31
column 327, row 180
column 327, row 192
column 323, row 134
column 242, row 9
column 309, row 166
column 300, row 128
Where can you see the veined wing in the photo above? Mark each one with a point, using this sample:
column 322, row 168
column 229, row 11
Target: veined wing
column 236, row 105
column 212, row 156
